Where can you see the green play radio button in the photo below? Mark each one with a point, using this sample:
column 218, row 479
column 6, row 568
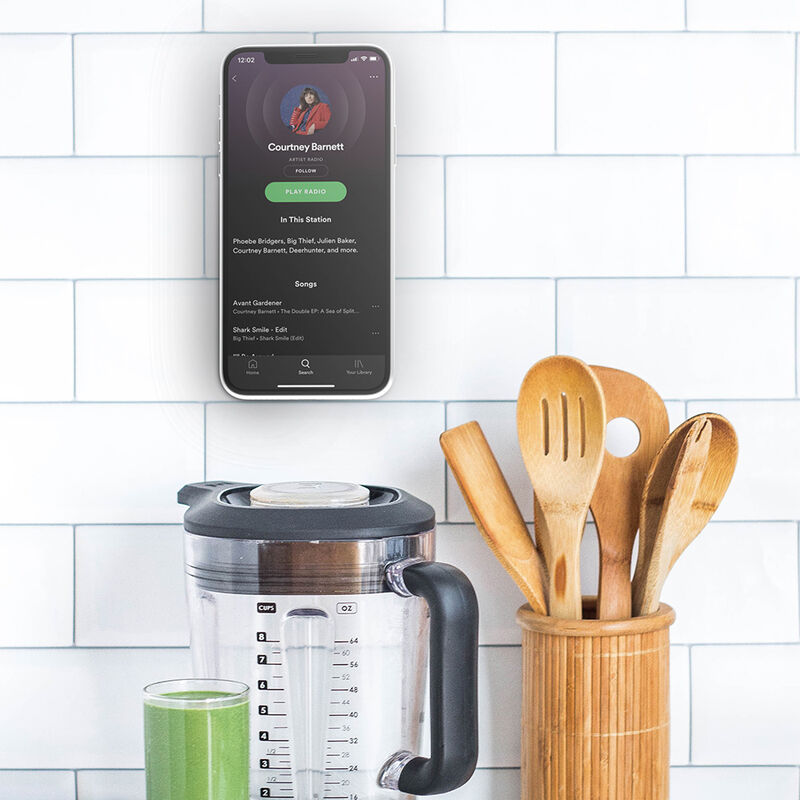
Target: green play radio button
column 305, row 191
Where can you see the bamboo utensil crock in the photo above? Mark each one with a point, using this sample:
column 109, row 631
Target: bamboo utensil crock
column 595, row 706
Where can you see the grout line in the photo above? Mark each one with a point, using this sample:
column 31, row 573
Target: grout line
column 380, row 402
column 72, row 46
column 446, row 505
column 798, row 571
column 483, row 645
column 444, row 16
column 444, row 216
column 202, row 15
column 685, row 220
column 116, row 156
column 74, row 582
column 555, row 316
column 692, row 767
column 442, row 277
column 737, row 644
column 555, row 93
column 691, row 722
column 161, row 524
column 141, row 769
column 541, row 154
column 686, row 15
column 205, row 441
column 103, row 647
column 795, row 339
column 418, row 32
column 74, row 340
column 549, row 277
column 203, row 209
column 75, row 776
column 794, row 99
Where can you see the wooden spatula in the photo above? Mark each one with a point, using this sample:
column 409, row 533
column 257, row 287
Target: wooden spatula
column 616, row 500
column 686, row 483
column 494, row 509
column 561, row 423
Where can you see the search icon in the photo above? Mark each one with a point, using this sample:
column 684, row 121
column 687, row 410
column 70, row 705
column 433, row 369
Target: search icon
column 304, row 363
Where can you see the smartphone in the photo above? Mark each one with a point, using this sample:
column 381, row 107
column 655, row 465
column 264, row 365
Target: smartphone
column 306, row 229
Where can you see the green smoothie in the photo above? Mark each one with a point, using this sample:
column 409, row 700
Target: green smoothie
column 196, row 745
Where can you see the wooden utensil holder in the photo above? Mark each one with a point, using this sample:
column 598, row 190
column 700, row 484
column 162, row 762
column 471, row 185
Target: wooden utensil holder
column 595, row 706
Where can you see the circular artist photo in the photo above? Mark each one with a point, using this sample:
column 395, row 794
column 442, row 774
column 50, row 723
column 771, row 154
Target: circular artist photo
column 310, row 114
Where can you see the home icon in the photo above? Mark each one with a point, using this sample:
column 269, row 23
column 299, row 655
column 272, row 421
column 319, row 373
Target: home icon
column 252, row 364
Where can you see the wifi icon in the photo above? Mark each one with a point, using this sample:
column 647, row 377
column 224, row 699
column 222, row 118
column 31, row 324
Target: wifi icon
column 363, row 58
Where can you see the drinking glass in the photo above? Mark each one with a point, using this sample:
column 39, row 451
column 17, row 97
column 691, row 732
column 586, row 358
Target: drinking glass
column 196, row 737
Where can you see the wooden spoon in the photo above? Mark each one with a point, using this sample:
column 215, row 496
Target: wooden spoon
column 494, row 509
column 686, row 483
column 561, row 423
column 616, row 500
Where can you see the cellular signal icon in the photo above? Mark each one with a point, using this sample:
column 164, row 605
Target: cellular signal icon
column 354, row 58
column 363, row 58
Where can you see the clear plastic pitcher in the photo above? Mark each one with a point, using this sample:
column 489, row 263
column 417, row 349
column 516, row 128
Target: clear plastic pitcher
column 325, row 599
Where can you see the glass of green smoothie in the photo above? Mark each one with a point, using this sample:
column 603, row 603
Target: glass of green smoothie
column 196, row 740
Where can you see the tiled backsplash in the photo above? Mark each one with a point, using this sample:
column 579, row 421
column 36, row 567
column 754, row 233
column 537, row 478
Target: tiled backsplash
column 615, row 179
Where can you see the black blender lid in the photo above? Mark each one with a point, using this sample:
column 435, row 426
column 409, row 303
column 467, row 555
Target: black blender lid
column 222, row 509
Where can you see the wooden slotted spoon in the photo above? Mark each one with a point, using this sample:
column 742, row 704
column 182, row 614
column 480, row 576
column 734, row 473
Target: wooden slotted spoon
column 561, row 423
column 686, row 483
column 494, row 509
column 616, row 500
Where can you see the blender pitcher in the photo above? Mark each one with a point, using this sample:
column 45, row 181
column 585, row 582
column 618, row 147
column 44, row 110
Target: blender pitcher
column 325, row 599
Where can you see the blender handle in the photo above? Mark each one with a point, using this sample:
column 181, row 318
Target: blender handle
column 453, row 679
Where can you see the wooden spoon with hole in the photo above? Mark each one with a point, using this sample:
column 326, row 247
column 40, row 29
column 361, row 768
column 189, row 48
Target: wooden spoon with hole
column 561, row 423
column 616, row 500
column 494, row 509
column 685, row 486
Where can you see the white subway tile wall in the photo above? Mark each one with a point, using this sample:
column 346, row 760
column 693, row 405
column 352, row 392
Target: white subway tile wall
column 146, row 340
column 675, row 93
column 33, row 785
column 38, row 611
column 129, row 586
column 41, row 366
column 36, row 95
column 462, row 93
column 740, row 215
column 617, row 180
column 744, row 704
column 104, row 218
column 106, row 784
column 743, row 15
column 565, row 15
column 734, row 783
column 565, row 216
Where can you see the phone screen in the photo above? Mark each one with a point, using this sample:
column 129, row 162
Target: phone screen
column 305, row 241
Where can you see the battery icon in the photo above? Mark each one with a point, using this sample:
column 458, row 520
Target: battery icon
column 373, row 58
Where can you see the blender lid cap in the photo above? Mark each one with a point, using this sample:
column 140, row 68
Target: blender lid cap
column 309, row 494
column 223, row 509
